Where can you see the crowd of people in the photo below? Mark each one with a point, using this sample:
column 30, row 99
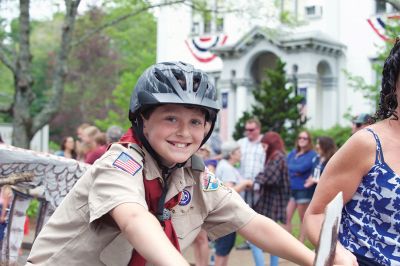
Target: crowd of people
column 274, row 183
column 91, row 143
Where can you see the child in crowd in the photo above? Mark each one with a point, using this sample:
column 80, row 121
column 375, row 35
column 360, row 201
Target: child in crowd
column 148, row 196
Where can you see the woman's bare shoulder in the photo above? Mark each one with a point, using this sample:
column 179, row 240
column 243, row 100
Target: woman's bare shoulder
column 358, row 152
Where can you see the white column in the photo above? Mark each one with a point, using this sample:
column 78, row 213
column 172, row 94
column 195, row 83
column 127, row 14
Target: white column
column 308, row 81
column 241, row 101
column 329, row 100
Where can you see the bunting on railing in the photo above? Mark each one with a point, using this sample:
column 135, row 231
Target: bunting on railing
column 379, row 26
column 200, row 47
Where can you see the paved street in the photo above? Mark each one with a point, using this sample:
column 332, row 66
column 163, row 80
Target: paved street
column 239, row 258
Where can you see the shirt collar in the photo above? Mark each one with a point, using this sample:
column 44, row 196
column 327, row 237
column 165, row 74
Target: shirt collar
column 178, row 177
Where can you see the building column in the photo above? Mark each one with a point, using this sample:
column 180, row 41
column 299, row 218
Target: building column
column 241, row 101
column 227, row 105
column 307, row 86
column 329, row 102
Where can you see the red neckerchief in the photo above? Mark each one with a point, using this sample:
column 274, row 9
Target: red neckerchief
column 153, row 191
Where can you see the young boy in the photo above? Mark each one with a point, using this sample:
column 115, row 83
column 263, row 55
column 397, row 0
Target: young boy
column 148, row 197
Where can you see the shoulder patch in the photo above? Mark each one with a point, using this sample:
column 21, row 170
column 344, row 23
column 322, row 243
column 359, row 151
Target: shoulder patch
column 126, row 163
column 209, row 181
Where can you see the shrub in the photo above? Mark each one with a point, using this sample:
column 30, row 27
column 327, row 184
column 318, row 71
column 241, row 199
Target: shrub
column 339, row 133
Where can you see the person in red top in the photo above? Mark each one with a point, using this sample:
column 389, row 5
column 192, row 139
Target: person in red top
column 100, row 148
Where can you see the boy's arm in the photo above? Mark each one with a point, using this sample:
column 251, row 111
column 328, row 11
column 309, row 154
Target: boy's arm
column 145, row 234
column 271, row 237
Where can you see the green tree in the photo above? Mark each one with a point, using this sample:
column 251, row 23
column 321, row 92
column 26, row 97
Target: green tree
column 16, row 54
column 339, row 133
column 276, row 106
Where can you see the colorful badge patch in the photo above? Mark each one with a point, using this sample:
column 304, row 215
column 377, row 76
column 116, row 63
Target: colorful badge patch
column 127, row 163
column 186, row 198
column 210, row 182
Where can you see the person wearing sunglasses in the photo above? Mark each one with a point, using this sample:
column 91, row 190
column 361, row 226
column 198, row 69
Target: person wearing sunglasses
column 251, row 161
column 300, row 164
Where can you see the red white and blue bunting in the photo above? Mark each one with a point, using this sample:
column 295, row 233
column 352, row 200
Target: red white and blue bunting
column 200, row 47
column 379, row 25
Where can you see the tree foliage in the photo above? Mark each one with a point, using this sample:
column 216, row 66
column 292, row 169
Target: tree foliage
column 40, row 77
column 339, row 133
column 276, row 106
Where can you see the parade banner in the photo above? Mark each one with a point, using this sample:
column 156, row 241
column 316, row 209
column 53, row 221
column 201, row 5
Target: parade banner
column 200, row 47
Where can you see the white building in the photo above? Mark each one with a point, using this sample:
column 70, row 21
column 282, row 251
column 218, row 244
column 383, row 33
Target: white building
column 332, row 36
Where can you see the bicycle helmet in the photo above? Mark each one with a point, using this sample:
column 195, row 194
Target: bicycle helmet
column 172, row 83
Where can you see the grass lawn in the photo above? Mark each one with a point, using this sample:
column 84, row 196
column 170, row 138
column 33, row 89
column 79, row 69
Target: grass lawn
column 295, row 232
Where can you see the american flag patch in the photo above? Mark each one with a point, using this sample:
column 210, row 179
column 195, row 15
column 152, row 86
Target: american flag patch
column 127, row 163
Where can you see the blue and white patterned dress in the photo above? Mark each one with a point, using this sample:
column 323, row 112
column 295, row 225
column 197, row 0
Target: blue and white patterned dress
column 371, row 219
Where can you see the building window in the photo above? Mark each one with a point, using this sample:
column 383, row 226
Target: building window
column 207, row 26
column 207, row 19
column 196, row 28
column 220, row 24
column 313, row 11
column 380, row 6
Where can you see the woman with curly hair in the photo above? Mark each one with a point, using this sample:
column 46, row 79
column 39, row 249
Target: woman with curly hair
column 366, row 169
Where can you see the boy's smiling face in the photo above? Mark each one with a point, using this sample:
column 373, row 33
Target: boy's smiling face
column 175, row 132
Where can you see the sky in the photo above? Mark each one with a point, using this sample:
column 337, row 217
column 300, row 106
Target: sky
column 39, row 9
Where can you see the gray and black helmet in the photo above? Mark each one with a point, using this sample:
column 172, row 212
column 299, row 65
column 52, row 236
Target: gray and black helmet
column 172, row 83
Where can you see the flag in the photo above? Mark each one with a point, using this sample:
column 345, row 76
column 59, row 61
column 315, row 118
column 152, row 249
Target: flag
column 379, row 24
column 200, row 47
column 127, row 163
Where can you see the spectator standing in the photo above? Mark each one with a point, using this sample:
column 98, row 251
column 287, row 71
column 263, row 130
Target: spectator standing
column 274, row 188
column 113, row 134
column 326, row 148
column 366, row 169
column 67, row 148
column 359, row 122
column 300, row 163
column 230, row 177
column 79, row 145
column 253, row 155
column 88, row 141
column 252, row 159
column 100, row 148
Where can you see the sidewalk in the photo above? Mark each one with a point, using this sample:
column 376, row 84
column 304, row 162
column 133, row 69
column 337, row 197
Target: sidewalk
column 238, row 258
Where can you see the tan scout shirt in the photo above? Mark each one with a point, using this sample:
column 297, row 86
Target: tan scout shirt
column 80, row 232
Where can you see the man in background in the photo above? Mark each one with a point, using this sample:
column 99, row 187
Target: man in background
column 114, row 133
column 252, row 160
column 360, row 121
